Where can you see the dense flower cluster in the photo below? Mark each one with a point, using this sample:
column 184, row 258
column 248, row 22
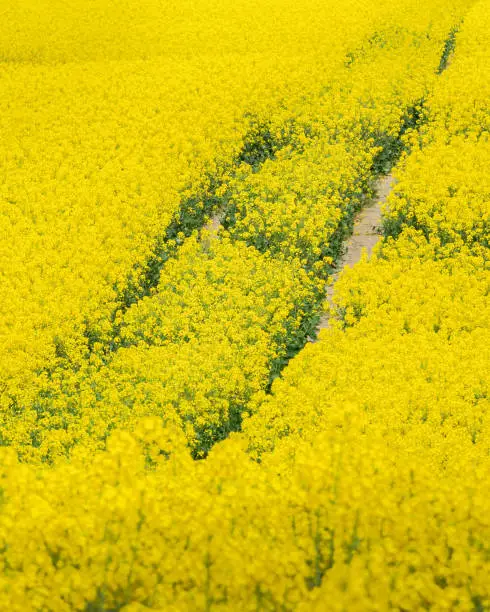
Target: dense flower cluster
column 224, row 308
column 444, row 185
column 113, row 136
column 403, row 374
column 300, row 204
column 155, row 457
column 100, row 158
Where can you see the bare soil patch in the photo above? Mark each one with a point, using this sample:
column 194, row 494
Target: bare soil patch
column 366, row 234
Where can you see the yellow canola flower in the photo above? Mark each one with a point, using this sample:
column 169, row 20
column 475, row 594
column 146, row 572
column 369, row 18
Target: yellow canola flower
column 218, row 326
column 116, row 119
column 370, row 492
column 300, row 203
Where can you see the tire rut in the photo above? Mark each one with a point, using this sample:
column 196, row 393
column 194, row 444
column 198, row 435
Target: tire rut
column 366, row 234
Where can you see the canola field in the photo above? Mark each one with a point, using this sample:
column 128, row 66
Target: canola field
column 170, row 439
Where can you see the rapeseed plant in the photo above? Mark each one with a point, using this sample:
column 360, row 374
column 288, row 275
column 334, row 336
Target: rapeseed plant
column 134, row 344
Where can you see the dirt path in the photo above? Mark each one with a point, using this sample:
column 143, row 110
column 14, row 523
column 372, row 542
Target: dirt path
column 211, row 229
column 213, row 225
column 367, row 232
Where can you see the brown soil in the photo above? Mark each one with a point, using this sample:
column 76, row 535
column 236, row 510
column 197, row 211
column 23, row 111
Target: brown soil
column 213, row 225
column 367, row 232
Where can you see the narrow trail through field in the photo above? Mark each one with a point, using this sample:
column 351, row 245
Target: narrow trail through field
column 213, row 225
column 366, row 234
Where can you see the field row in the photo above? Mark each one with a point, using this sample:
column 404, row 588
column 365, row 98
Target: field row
column 236, row 308
column 383, row 425
column 358, row 478
column 112, row 140
column 103, row 160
